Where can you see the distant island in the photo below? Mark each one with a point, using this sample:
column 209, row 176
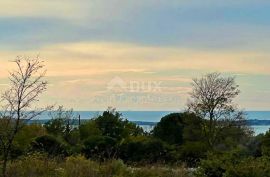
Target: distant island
column 250, row 122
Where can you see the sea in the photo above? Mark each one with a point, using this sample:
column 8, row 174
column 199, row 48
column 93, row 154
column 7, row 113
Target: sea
column 144, row 117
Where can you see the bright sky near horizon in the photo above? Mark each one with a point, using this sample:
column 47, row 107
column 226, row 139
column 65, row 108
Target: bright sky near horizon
column 139, row 54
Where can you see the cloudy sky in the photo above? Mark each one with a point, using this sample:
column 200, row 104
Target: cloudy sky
column 139, row 54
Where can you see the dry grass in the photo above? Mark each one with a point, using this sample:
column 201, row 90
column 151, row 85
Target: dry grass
column 40, row 166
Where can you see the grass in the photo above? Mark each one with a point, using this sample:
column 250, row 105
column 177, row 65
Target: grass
column 39, row 165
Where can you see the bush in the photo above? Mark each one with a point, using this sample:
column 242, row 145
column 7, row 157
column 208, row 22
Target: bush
column 100, row 147
column 147, row 150
column 224, row 164
column 50, row 145
column 22, row 140
column 88, row 129
column 250, row 167
column 192, row 152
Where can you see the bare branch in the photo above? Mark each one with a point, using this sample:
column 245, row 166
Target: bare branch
column 212, row 99
column 26, row 85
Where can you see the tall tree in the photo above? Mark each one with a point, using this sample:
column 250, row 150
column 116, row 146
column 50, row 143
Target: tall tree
column 26, row 85
column 212, row 99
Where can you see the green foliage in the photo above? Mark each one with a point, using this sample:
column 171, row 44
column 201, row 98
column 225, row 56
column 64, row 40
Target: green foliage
column 254, row 145
column 250, row 167
column 265, row 144
column 23, row 139
column 192, row 152
column 232, row 167
column 233, row 136
column 100, row 147
column 143, row 149
column 111, row 124
column 74, row 137
column 184, row 131
column 55, row 126
column 88, row 129
column 177, row 138
column 61, row 122
column 218, row 163
column 51, row 145
column 170, row 128
column 28, row 133
column 193, row 128
column 177, row 128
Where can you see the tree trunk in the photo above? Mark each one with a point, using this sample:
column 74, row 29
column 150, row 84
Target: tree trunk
column 211, row 127
column 4, row 168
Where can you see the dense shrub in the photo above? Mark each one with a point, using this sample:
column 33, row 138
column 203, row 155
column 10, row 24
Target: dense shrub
column 100, row 147
column 265, row 144
column 88, row 129
column 249, row 167
column 192, row 152
column 51, row 145
column 143, row 149
column 170, row 128
column 223, row 164
column 22, row 140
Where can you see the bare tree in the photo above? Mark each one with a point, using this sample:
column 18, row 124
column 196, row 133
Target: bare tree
column 26, row 85
column 212, row 99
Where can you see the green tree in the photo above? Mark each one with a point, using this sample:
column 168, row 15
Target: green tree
column 170, row 128
column 111, row 124
column 176, row 128
column 100, row 147
column 89, row 128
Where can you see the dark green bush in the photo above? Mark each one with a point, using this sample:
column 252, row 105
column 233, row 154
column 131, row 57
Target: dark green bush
column 100, row 147
column 192, row 152
column 51, row 145
column 148, row 150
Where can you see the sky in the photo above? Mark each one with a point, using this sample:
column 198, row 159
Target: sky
column 138, row 54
